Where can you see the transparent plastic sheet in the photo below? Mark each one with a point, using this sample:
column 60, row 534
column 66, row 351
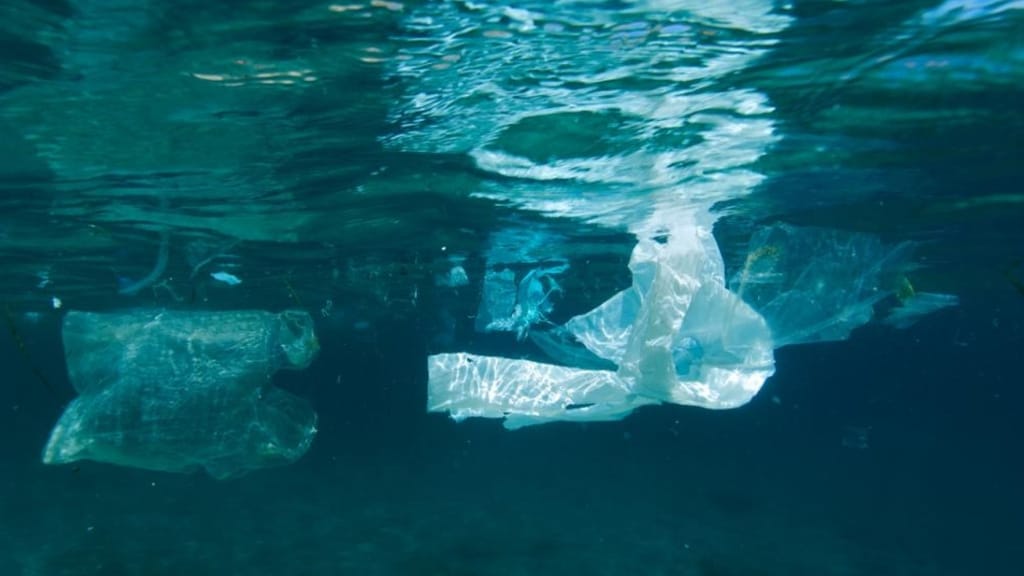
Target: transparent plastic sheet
column 507, row 306
column 497, row 300
column 679, row 335
column 689, row 341
column 520, row 279
column 562, row 346
column 181, row 391
column 524, row 392
column 817, row 285
column 665, row 336
column 915, row 306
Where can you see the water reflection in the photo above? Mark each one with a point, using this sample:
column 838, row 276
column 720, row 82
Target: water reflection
column 314, row 133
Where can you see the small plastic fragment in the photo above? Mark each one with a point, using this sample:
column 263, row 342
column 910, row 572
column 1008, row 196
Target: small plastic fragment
column 226, row 277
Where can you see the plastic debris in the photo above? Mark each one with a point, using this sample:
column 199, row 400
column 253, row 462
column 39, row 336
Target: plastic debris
column 182, row 391
column 510, row 307
column 677, row 335
column 226, row 277
column 818, row 285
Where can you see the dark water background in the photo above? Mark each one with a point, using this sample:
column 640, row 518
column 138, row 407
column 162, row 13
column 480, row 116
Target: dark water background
column 889, row 122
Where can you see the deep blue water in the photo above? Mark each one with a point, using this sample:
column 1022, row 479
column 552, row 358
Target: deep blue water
column 346, row 158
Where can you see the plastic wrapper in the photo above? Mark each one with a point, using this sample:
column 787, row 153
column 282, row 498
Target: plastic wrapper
column 818, row 285
column 676, row 335
column 508, row 306
column 182, row 391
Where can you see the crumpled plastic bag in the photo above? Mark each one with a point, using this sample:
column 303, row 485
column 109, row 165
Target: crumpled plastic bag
column 180, row 391
column 676, row 335
column 508, row 306
column 818, row 285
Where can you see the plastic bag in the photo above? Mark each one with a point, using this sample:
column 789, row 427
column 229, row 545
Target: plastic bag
column 817, row 285
column 181, row 391
column 676, row 335
column 506, row 306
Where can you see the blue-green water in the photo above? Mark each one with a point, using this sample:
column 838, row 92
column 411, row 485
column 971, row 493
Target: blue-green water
column 344, row 158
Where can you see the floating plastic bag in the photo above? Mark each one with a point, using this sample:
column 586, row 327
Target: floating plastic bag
column 817, row 285
column 677, row 335
column 525, row 392
column 510, row 307
column 180, row 391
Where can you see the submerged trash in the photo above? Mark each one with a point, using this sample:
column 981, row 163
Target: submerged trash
column 679, row 334
column 510, row 307
column 456, row 276
column 130, row 288
column 181, row 391
column 226, row 277
column 815, row 284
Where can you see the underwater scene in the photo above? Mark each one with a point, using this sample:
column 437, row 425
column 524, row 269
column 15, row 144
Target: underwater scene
column 511, row 288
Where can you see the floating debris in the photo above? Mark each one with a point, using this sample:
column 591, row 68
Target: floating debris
column 226, row 277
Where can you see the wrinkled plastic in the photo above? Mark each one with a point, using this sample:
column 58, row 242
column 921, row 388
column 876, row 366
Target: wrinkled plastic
column 508, row 306
column 913, row 307
column 679, row 335
column 525, row 392
column 676, row 335
column 817, row 285
column 182, row 391
column 497, row 301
